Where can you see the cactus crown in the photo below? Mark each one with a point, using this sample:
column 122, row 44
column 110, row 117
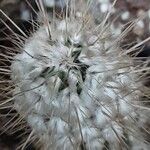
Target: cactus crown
column 76, row 88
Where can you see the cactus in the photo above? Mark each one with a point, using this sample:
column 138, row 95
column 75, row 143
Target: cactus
column 77, row 89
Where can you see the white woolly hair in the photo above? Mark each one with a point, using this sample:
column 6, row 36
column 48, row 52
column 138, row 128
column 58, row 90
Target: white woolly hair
column 75, row 86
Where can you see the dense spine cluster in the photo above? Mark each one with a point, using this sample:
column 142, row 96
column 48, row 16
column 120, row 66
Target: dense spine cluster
column 77, row 89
